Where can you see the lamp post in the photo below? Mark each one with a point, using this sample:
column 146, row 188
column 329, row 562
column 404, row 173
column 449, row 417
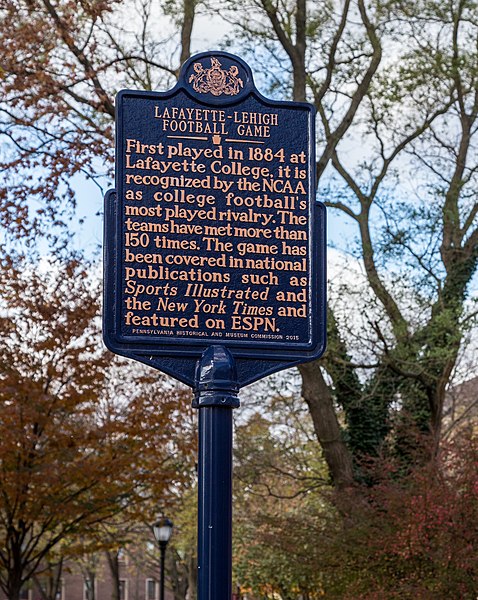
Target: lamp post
column 162, row 530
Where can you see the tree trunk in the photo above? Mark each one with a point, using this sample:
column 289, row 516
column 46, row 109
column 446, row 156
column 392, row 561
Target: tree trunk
column 113, row 562
column 327, row 429
column 13, row 579
column 189, row 9
column 178, row 575
column 192, row 578
column 90, row 585
column 298, row 56
column 14, row 586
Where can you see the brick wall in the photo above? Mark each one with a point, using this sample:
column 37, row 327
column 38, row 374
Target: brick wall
column 73, row 584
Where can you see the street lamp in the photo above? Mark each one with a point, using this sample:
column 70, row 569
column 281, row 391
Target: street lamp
column 162, row 530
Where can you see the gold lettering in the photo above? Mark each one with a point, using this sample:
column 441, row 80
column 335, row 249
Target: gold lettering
column 215, row 228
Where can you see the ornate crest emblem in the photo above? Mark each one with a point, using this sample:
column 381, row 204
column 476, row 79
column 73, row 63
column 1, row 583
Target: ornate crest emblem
column 215, row 80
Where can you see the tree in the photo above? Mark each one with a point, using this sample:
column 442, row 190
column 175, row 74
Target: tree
column 66, row 446
column 400, row 80
column 160, row 432
column 415, row 537
column 280, row 498
column 51, row 371
column 435, row 254
column 62, row 63
column 411, row 535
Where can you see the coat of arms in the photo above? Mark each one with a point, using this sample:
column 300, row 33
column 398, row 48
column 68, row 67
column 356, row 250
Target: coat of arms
column 215, row 80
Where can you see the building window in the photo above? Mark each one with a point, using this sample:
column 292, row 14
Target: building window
column 123, row 589
column 152, row 589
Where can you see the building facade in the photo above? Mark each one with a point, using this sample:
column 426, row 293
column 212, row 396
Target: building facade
column 135, row 584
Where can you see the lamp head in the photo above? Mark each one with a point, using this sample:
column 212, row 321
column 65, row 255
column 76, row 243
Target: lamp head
column 162, row 530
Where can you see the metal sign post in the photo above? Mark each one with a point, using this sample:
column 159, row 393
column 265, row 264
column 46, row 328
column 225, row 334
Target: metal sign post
column 214, row 257
column 215, row 397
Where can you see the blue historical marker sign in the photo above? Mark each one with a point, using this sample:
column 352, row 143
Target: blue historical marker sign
column 213, row 234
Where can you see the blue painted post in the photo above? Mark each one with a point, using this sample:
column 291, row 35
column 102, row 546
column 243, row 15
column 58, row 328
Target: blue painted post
column 215, row 396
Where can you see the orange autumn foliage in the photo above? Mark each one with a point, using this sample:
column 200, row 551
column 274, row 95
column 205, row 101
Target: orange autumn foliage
column 78, row 444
